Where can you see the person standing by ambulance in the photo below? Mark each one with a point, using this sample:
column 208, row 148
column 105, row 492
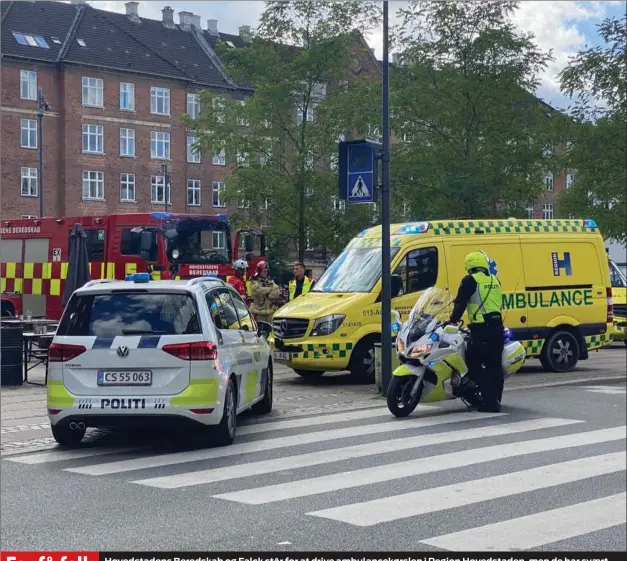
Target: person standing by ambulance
column 300, row 284
column 480, row 294
column 237, row 281
column 265, row 293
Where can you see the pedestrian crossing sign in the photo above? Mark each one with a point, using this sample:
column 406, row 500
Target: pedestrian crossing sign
column 358, row 173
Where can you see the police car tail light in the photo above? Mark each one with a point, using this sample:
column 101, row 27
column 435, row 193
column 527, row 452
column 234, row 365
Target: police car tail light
column 60, row 352
column 200, row 350
column 610, row 305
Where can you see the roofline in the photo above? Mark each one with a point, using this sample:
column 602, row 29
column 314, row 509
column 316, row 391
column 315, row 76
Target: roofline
column 363, row 41
column 70, row 34
column 6, row 12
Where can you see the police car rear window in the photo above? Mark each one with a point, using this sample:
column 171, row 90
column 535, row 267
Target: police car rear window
column 116, row 314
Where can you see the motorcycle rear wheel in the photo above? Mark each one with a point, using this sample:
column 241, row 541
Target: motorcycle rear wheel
column 399, row 399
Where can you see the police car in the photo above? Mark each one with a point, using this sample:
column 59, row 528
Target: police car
column 142, row 352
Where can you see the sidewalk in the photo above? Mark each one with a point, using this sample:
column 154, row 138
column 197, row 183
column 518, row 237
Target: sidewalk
column 24, row 425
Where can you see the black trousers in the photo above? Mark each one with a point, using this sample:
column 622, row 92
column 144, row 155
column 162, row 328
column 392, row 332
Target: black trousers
column 483, row 358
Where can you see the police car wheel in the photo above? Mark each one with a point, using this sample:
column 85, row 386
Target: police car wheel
column 224, row 433
column 66, row 436
column 265, row 405
column 560, row 352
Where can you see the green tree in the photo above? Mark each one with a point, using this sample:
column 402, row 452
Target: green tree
column 471, row 132
column 596, row 78
column 286, row 134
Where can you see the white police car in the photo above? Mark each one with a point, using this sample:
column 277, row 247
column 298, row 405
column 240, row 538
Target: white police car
column 141, row 352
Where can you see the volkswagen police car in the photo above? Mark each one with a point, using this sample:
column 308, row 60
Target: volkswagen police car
column 142, row 352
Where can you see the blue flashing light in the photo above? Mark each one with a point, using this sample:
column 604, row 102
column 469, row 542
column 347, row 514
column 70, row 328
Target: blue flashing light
column 140, row 277
column 507, row 335
column 415, row 228
column 431, row 364
column 434, row 337
column 160, row 215
column 362, row 233
column 396, row 327
column 589, row 223
column 210, row 275
column 128, row 278
column 223, row 218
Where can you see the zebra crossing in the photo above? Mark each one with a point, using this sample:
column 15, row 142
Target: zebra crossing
column 300, row 465
column 607, row 390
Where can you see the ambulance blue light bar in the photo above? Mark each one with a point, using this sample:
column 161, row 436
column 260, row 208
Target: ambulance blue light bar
column 414, row 228
column 138, row 277
column 589, row 223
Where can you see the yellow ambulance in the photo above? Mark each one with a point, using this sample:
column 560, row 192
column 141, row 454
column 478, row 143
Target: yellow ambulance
column 554, row 274
column 619, row 298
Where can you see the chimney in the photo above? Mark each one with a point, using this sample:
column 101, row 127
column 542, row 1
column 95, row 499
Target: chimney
column 131, row 11
column 196, row 22
column 168, row 17
column 212, row 27
column 244, row 32
column 185, row 20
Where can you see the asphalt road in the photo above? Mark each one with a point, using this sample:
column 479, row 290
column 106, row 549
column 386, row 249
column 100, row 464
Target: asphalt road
column 547, row 474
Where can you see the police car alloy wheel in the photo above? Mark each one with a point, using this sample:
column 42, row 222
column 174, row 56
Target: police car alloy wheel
column 225, row 431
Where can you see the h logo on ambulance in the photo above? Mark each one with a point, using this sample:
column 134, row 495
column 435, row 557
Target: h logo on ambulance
column 559, row 264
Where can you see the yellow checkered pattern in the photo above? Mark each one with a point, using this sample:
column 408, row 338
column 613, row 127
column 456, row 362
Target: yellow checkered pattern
column 322, row 351
column 597, row 341
column 533, row 347
column 462, row 227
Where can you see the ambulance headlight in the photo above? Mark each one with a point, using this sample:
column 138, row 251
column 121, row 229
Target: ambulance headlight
column 175, row 254
column 327, row 325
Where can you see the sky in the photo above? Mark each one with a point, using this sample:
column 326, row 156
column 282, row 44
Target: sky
column 566, row 27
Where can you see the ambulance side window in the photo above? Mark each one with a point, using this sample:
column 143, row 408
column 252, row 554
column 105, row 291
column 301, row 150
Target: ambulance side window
column 419, row 269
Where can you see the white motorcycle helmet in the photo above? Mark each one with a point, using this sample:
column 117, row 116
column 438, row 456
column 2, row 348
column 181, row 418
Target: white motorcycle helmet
column 240, row 265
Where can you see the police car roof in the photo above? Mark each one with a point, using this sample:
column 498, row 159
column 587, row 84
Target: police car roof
column 107, row 285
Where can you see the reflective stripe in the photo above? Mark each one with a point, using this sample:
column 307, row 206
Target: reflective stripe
column 199, row 392
column 486, row 299
column 307, row 282
column 57, row 395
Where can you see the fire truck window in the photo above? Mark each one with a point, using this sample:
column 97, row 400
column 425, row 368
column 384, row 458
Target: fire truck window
column 131, row 244
column 95, row 244
column 10, row 251
column 36, row 251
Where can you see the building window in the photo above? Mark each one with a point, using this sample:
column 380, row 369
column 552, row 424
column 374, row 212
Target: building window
column 127, row 96
column 339, row 205
column 28, row 85
column 548, row 181
column 218, row 240
column 309, row 160
column 92, row 139
column 92, row 92
column 218, row 194
column 127, row 142
column 243, row 121
column 333, row 162
column 300, row 113
column 127, row 187
column 570, row 180
column 28, row 138
column 530, row 212
column 158, row 190
column 29, row 182
column 93, row 185
column 193, row 192
column 219, row 159
column 193, row 105
column 160, row 101
column 160, row 145
column 29, row 216
column 218, row 109
column 242, row 159
column 193, row 155
column 547, row 211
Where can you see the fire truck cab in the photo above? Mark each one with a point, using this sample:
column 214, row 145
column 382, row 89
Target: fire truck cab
column 34, row 253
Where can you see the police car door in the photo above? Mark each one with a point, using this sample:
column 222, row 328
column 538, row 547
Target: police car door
column 233, row 345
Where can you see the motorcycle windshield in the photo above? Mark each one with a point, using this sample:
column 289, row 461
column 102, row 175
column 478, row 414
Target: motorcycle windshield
column 433, row 303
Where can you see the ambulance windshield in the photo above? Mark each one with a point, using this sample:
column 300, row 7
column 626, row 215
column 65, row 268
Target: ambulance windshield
column 198, row 240
column 356, row 270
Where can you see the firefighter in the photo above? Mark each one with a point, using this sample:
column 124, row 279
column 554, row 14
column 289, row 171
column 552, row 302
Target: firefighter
column 265, row 293
column 301, row 284
column 238, row 280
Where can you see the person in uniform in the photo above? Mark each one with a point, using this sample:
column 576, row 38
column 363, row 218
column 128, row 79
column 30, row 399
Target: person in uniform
column 480, row 295
column 300, row 284
column 266, row 294
column 237, row 281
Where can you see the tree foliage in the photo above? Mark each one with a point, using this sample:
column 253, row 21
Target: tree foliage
column 597, row 79
column 287, row 132
column 472, row 134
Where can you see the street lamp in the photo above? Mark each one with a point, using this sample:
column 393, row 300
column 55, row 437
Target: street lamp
column 42, row 107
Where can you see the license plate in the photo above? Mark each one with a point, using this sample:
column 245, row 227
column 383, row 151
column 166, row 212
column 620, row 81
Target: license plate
column 281, row 356
column 124, row 378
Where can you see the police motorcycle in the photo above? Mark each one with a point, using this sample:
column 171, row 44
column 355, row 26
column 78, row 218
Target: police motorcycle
column 432, row 354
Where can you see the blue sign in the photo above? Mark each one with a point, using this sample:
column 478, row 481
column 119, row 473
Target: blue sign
column 559, row 264
column 358, row 173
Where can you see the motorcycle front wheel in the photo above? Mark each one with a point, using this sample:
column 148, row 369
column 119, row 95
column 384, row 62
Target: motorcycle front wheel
column 400, row 401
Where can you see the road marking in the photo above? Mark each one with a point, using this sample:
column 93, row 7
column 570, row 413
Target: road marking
column 277, row 443
column 59, row 455
column 420, row 466
column 319, row 420
column 606, row 389
column 346, row 453
column 388, row 509
column 539, row 529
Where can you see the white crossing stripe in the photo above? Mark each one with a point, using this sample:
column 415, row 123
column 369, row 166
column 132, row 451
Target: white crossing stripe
column 277, row 443
column 539, row 529
column 58, row 455
column 611, row 390
column 420, row 466
column 346, row 453
column 319, row 420
column 437, row 499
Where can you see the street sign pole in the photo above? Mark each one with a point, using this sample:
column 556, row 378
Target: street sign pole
column 386, row 279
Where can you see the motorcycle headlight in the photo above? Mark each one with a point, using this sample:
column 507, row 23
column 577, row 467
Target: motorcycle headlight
column 327, row 325
column 419, row 350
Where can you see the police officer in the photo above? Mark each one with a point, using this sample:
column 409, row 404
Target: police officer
column 300, row 284
column 480, row 294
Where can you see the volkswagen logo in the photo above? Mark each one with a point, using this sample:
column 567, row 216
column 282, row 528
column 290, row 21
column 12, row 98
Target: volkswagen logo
column 122, row 351
column 283, row 325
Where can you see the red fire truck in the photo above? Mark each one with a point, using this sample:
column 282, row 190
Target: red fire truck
column 34, row 253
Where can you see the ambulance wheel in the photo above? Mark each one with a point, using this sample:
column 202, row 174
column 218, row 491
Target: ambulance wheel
column 362, row 365
column 224, row 433
column 309, row 373
column 560, row 352
column 264, row 406
column 65, row 436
